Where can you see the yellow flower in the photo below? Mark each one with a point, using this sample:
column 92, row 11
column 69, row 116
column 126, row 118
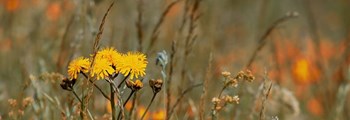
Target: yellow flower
column 133, row 64
column 112, row 55
column 78, row 65
column 101, row 68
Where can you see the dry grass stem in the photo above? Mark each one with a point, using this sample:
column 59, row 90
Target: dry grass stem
column 155, row 31
column 205, row 87
column 262, row 39
column 178, row 100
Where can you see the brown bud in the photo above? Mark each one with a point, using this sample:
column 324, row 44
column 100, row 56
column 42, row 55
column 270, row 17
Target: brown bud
column 129, row 84
column 67, row 84
column 137, row 85
column 156, row 85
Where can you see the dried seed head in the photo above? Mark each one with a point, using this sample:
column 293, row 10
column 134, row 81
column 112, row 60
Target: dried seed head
column 249, row 76
column 27, row 101
column 240, row 75
column 12, row 102
column 236, row 99
column 215, row 100
column 227, row 98
column 67, row 84
column 230, row 99
column 232, row 82
column 156, row 85
column 137, row 85
column 225, row 74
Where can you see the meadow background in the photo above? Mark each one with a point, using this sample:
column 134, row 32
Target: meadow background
column 306, row 56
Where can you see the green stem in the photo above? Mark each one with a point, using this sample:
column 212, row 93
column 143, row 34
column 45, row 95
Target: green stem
column 120, row 84
column 126, row 101
column 98, row 88
column 76, row 95
column 112, row 101
column 149, row 105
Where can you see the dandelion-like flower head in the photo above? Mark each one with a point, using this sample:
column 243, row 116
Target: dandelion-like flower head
column 133, row 63
column 78, row 65
column 112, row 56
column 101, row 68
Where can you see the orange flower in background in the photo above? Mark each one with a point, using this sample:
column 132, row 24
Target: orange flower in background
column 12, row 5
column 140, row 111
column 315, row 107
column 304, row 72
column 53, row 11
column 158, row 115
column 128, row 106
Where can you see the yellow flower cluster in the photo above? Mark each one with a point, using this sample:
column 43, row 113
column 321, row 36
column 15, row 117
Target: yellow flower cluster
column 107, row 62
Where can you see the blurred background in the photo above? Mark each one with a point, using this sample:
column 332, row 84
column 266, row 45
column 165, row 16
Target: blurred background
column 307, row 58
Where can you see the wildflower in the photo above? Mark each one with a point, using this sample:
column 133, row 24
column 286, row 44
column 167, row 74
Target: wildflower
column 159, row 115
column 102, row 68
column 112, row 55
column 77, row 66
column 133, row 64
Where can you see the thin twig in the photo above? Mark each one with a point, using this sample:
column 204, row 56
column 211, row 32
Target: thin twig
column 133, row 105
column 126, row 101
column 155, row 32
column 126, row 77
column 262, row 40
column 261, row 115
column 62, row 55
column 86, row 97
column 205, row 87
column 139, row 24
column 180, row 98
column 99, row 89
column 213, row 114
column 171, row 70
column 76, row 95
column 100, row 30
column 120, row 102
column 189, row 40
column 149, row 105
